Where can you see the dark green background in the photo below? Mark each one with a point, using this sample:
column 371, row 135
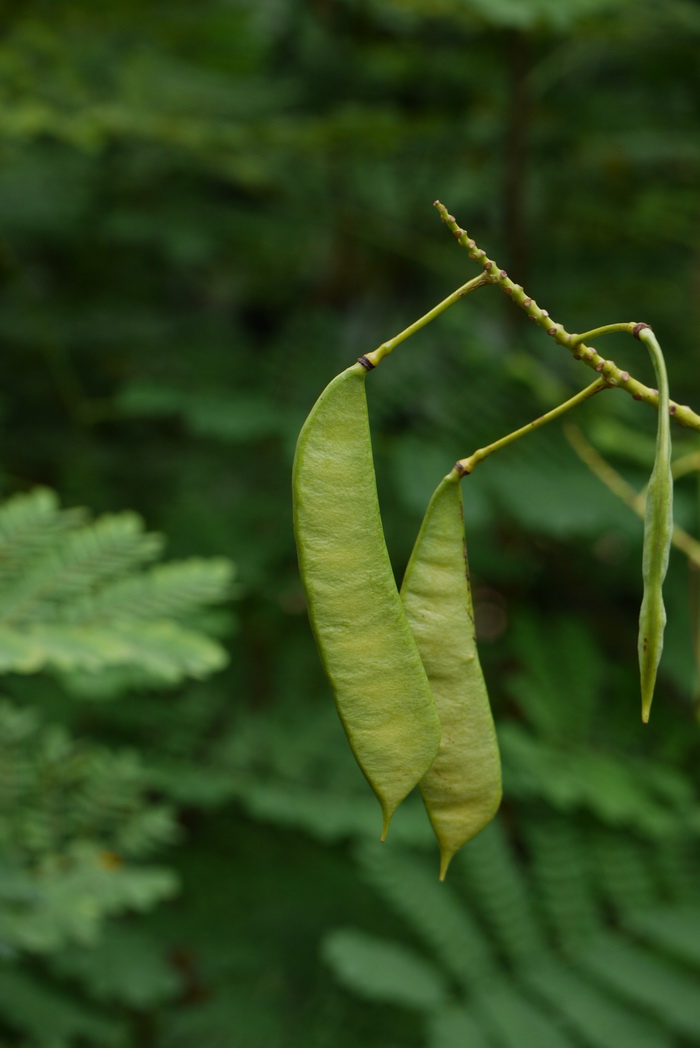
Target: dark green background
column 209, row 209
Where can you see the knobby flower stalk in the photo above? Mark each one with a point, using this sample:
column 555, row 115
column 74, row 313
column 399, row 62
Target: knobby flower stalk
column 608, row 369
column 610, row 374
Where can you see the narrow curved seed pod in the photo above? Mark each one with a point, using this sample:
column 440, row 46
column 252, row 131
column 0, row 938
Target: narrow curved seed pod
column 381, row 689
column 462, row 788
column 658, row 531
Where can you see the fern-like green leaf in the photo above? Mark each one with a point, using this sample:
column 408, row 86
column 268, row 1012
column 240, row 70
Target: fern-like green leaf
column 29, row 524
column 617, row 789
column 125, row 965
column 208, row 413
column 73, row 816
column 55, row 789
column 77, row 563
column 676, row 866
column 561, row 867
column 164, row 649
column 648, row 982
column 625, row 877
column 165, row 591
column 557, row 695
column 73, row 599
column 453, row 1026
column 382, row 970
column 675, row 929
column 516, row 1021
column 328, row 815
column 497, row 887
column 75, row 892
column 38, row 1011
column 168, row 650
column 593, row 1015
column 433, row 911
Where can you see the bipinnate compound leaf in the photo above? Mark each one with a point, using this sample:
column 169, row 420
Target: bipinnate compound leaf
column 76, row 596
column 674, row 929
column 453, row 1026
column 515, row 1020
column 40, row 1010
column 125, row 964
column 434, row 912
column 76, row 892
column 489, row 874
column 595, row 1016
column 384, row 971
column 646, row 981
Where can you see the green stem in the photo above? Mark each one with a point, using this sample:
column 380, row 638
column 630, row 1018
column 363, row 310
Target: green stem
column 626, row 326
column 604, row 471
column 386, row 347
column 686, row 464
column 619, row 486
column 614, row 375
column 466, row 465
column 689, row 463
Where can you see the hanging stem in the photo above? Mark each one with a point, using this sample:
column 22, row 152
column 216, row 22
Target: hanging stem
column 607, row 329
column 466, row 465
column 686, row 464
column 614, row 375
column 619, row 486
column 386, row 347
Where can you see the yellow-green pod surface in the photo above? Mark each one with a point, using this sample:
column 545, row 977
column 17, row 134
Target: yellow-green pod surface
column 381, row 689
column 462, row 788
column 658, row 529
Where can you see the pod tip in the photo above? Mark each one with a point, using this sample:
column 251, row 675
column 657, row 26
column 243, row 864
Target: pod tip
column 385, row 826
column 445, row 860
column 646, row 707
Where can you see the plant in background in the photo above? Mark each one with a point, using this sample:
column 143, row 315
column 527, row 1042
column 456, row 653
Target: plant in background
column 571, row 920
column 83, row 602
column 203, row 212
column 77, row 601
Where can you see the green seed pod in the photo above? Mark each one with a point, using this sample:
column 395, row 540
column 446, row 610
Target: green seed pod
column 658, row 530
column 462, row 788
column 381, row 689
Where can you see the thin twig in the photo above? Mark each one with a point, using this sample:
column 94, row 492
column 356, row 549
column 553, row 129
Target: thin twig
column 466, row 465
column 619, row 486
column 385, row 348
column 614, row 375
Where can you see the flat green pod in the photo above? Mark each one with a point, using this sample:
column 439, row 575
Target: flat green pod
column 462, row 788
column 380, row 686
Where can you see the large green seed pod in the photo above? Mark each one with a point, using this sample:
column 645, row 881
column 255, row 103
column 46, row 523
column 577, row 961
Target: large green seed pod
column 381, row 689
column 462, row 788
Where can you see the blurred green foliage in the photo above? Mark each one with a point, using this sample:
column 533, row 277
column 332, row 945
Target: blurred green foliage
column 206, row 211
